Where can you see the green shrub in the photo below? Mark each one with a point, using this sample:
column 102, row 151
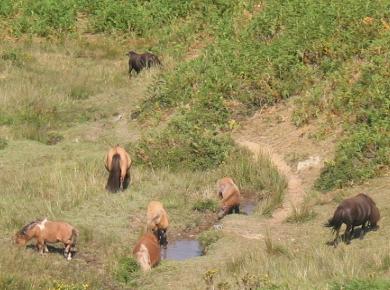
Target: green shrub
column 204, row 205
column 127, row 269
column 356, row 284
column 45, row 17
column 80, row 92
column 302, row 215
column 366, row 148
column 15, row 56
column 6, row 8
column 208, row 238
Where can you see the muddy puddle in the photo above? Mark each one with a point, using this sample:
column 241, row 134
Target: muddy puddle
column 182, row 250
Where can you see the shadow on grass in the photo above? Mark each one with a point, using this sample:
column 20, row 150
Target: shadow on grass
column 52, row 250
column 358, row 233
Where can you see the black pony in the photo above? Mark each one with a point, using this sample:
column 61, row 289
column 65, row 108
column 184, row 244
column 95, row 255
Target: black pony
column 141, row 61
column 354, row 211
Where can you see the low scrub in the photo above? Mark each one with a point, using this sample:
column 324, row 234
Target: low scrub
column 208, row 238
column 301, row 215
column 204, row 205
column 358, row 284
column 127, row 269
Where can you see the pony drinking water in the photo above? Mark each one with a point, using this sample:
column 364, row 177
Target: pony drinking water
column 44, row 231
column 118, row 163
column 354, row 211
column 229, row 194
column 157, row 221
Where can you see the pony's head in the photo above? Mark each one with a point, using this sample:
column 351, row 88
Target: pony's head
column 130, row 53
column 20, row 239
column 161, row 235
column 25, row 234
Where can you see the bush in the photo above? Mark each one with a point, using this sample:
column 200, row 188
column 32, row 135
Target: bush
column 204, row 205
column 374, row 284
column 45, row 17
column 127, row 269
column 208, row 238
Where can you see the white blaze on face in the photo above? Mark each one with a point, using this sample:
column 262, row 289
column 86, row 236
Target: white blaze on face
column 143, row 258
column 41, row 225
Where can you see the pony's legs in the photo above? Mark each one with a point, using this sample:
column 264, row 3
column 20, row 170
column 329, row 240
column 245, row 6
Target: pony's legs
column 363, row 231
column 67, row 252
column 45, row 249
column 336, row 239
column 347, row 234
column 40, row 246
column 121, row 183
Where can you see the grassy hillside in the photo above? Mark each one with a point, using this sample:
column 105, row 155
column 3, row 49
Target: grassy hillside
column 333, row 55
column 65, row 98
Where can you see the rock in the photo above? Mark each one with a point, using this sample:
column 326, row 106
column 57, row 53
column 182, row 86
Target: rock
column 313, row 161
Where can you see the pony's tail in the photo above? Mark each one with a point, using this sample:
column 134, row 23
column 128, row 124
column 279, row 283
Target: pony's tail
column 113, row 182
column 336, row 221
column 143, row 258
column 74, row 237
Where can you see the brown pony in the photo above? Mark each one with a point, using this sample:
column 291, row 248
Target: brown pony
column 45, row 231
column 118, row 163
column 354, row 211
column 140, row 61
column 147, row 251
column 157, row 221
column 230, row 195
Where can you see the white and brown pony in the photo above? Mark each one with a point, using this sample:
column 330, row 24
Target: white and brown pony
column 230, row 196
column 157, row 221
column 147, row 251
column 118, row 163
column 44, row 231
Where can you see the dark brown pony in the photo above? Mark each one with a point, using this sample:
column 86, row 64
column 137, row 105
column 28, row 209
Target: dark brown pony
column 118, row 163
column 141, row 61
column 354, row 211
column 147, row 251
column 44, row 231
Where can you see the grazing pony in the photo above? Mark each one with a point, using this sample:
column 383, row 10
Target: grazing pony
column 147, row 251
column 141, row 61
column 157, row 221
column 118, row 163
column 229, row 194
column 45, row 231
column 354, row 211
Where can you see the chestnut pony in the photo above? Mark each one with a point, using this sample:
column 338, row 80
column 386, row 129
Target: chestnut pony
column 44, row 231
column 147, row 251
column 118, row 163
column 229, row 194
column 157, row 221
column 354, row 211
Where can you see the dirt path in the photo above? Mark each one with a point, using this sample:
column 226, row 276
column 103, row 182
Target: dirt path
column 271, row 132
column 295, row 193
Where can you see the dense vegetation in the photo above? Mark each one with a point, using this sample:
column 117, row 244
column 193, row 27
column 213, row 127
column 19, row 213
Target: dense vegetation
column 256, row 54
column 289, row 48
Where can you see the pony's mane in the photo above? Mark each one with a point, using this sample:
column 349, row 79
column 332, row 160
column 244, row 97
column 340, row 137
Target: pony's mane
column 27, row 227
